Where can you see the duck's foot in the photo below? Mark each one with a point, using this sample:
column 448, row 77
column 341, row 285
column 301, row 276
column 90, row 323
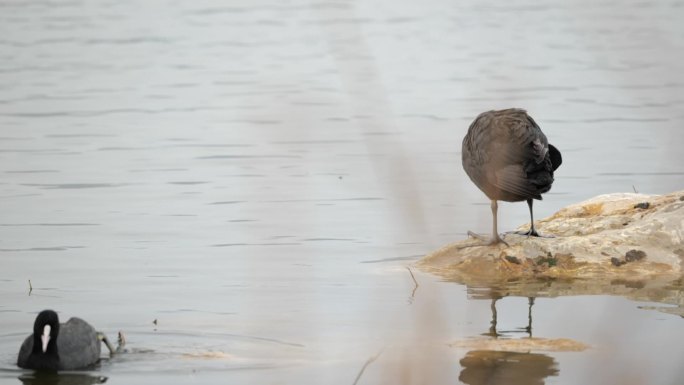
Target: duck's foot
column 121, row 343
column 102, row 337
column 531, row 233
column 494, row 240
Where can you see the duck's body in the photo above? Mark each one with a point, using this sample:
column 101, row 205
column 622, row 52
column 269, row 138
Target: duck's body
column 71, row 345
column 508, row 157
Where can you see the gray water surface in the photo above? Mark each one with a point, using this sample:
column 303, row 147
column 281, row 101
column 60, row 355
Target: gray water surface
column 256, row 178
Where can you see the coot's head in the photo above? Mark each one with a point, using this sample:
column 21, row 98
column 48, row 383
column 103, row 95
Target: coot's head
column 45, row 331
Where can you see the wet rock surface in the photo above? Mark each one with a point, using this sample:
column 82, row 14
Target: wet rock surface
column 649, row 237
column 521, row 345
column 610, row 244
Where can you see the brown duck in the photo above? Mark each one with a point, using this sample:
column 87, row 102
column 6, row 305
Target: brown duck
column 508, row 157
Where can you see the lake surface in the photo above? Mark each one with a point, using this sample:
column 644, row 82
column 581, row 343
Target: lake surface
column 240, row 188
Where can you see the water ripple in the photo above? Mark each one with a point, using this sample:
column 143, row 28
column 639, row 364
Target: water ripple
column 53, row 114
column 73, row 185
column 53, row 248
column 31, row 171
column 47, row 224
column 249, row 157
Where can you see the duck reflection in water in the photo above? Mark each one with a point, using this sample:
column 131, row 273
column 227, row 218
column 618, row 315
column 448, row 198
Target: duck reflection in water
column 494, row 367
column 493, row 332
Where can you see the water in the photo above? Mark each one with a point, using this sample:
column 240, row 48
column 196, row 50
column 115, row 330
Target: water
column 256, row 178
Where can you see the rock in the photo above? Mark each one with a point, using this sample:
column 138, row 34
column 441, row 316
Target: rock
column 631, row 256
column 642, row 205
column 592, row 239
column 512, row 259
column 603, row 246
column 634, row 255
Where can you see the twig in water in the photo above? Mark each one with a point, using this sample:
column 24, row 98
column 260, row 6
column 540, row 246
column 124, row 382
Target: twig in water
column 30, row 287
column 368, row 362
column 635, row 190
column 413, row 293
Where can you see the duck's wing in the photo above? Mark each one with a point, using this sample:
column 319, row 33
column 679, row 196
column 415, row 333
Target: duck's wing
column 77, row 344
column 520, row 155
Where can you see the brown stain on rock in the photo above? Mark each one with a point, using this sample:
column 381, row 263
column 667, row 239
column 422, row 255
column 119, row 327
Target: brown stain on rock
column 592, row 210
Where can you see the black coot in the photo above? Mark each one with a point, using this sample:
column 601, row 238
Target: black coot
column 72, row 345
column 508, row 157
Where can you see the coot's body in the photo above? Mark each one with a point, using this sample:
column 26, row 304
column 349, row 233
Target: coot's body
column 508, row 157
column 53, row 346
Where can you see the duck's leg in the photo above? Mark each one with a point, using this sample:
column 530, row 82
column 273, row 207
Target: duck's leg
column 532, row 232
column 495, row 239
column 495, row 233
column 102, row 337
